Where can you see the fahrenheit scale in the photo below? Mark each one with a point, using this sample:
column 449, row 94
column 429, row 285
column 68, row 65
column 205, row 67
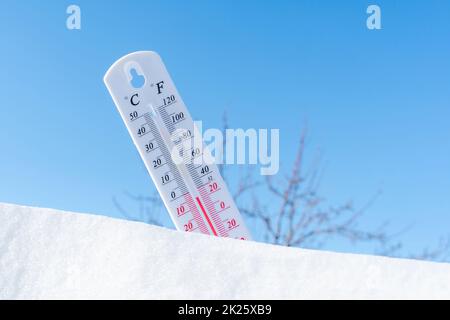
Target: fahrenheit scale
column 164, row 133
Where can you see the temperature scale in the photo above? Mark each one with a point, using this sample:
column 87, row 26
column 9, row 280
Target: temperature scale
column 164, row 133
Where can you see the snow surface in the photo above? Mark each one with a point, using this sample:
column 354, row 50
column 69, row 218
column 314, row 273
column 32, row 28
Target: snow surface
column 46, row 253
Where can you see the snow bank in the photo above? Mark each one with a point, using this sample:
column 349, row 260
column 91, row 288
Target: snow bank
column 52, row 254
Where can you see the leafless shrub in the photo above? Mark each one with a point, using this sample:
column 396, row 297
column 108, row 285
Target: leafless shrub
column 302, row 217
column 148, row 211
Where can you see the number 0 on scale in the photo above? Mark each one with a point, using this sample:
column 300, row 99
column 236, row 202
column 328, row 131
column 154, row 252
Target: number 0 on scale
column 193, row 192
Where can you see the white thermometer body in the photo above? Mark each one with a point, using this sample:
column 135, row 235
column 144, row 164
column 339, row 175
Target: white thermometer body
column 161, row 127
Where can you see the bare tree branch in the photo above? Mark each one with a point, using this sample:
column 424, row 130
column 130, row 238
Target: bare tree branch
column 148, row 206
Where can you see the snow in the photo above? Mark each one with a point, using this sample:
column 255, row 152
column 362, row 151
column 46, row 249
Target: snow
column 46, row 253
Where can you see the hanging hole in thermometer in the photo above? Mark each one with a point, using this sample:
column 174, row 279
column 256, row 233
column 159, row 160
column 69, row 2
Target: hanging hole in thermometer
column 164, row 133
column 135, row 75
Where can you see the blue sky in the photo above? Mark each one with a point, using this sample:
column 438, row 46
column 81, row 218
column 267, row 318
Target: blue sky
column 377, row 103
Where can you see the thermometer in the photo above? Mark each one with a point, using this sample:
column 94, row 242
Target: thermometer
column 166, row 137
